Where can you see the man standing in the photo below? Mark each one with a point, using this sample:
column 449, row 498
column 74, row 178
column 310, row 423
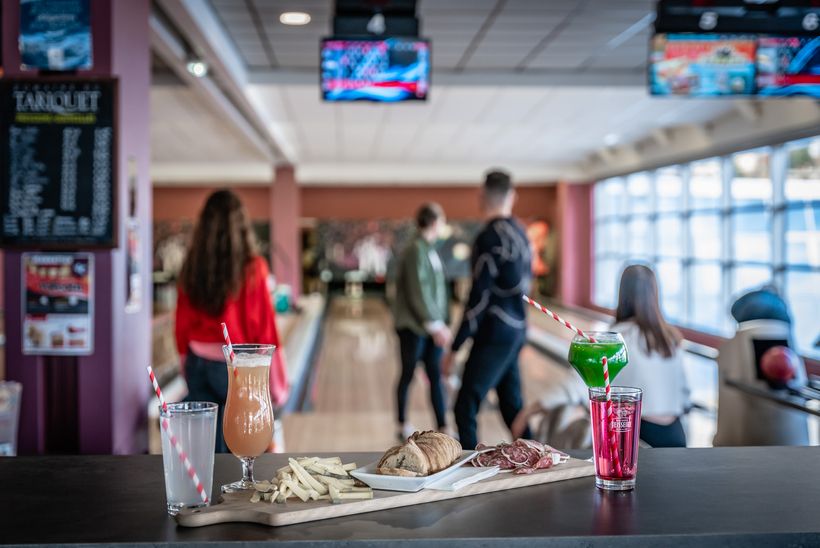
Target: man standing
column 495, row 316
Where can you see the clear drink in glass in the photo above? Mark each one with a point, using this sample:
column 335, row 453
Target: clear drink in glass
column 194, row 425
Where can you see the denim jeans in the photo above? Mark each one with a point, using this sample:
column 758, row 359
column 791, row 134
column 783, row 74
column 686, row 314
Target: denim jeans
column 489, row 366
column 208, row 381
column 415, row 348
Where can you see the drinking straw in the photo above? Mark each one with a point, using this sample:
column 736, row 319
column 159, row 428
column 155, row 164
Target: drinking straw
column 610, row 411
column 231, row 355
column 228, row 342
column 183, row 456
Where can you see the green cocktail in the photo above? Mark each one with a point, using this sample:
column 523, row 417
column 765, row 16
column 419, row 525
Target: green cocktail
column 585, row 356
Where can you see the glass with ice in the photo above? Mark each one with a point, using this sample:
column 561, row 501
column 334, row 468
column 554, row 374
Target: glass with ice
column 615, row 464
column 194, row 426
column 248, row 421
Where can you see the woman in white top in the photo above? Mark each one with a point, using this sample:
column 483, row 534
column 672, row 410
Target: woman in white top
column 655, row 358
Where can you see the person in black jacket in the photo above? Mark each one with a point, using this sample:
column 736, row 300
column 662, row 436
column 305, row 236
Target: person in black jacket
column 494, row 317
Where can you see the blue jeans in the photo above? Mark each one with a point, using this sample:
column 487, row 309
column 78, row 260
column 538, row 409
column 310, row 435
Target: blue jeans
column 489, row 366
column 208, row 381
column 663, row 435
column 415, row 348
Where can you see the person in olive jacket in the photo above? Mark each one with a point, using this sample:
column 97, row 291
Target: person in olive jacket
column 421, row 313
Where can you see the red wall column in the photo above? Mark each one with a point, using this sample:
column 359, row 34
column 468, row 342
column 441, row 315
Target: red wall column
column 286, row 243
column 110, row 389
column 575, row 225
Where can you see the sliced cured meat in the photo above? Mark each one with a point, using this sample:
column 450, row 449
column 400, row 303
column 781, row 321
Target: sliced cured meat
column 521, row 456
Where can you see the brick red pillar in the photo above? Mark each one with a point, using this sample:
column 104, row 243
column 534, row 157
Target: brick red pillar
column 575, row 225
column 286, row 240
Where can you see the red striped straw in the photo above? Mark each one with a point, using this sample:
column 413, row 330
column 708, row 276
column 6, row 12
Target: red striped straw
column 557, row 318
column 183, row 456
column 610, row 411
column 228, row 342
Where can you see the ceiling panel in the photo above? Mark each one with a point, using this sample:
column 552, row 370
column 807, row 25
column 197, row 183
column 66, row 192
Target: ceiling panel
column 494, row 123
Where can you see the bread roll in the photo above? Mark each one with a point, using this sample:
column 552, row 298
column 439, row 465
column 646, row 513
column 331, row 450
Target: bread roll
column 423, row 453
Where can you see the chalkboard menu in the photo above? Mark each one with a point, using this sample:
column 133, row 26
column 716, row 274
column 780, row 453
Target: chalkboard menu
column 58, row 163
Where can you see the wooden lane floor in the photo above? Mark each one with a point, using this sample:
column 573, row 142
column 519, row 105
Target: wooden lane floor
column 352, row 400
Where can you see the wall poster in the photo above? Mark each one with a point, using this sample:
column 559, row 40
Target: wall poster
column 55, row 35
column 58, row 303
column 58, row 163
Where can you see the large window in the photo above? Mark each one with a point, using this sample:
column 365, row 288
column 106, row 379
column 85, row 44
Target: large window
column 714, row 229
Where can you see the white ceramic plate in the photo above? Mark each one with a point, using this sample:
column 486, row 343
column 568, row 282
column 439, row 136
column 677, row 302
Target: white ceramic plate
column 370, row 475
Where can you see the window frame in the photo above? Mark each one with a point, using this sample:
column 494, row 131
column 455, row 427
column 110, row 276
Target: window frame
column 777, row 209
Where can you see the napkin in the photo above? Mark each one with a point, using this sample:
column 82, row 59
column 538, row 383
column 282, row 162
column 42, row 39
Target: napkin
column 462, row 477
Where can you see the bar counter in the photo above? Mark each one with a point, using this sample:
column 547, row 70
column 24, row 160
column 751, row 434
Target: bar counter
column 685, row 497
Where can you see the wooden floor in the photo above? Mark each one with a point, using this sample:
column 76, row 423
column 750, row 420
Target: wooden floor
column 353, row 397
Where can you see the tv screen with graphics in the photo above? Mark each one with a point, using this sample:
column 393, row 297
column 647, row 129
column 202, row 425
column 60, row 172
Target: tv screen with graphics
column 704, row 65
column 788, row 66
column 389, row 70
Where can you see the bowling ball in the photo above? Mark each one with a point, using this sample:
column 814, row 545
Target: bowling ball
column 779, row 365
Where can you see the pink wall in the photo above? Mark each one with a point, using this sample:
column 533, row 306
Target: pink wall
column 286, row 241
column 575, row 224
column 186, row 202
column 391, row 202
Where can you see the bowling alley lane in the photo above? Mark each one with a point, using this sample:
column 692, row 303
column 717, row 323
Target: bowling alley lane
column 350, row 405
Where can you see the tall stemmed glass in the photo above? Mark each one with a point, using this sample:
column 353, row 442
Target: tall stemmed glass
column 248, row 421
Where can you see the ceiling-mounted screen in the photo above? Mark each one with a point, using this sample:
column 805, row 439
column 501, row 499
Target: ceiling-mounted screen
column 702, row 64
column 788, row 66
column 694, row 64
column 389, row 70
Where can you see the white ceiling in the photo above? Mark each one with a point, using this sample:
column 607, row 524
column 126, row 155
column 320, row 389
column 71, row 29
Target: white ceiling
column 185, row 130
column 466, row 34
column 531, row 85
column 475, row 126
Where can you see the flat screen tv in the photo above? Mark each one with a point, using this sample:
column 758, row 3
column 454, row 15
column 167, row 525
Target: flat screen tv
column 385, row 70
column 703, row 65
column 788, row 66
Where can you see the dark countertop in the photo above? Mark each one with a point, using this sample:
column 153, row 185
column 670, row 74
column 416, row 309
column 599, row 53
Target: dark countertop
column 685, row 497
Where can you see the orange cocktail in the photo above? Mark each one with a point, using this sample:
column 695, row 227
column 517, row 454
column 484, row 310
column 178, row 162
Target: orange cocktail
column 248, row 422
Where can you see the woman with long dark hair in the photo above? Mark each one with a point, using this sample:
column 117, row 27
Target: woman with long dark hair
column 223, row 279
column 655, row 358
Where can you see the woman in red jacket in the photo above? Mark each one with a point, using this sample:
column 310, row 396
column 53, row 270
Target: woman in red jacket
column 223, row 280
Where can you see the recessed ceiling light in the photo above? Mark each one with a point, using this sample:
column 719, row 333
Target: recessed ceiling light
column 294, row 18
column 197, row 68
column 611, row 139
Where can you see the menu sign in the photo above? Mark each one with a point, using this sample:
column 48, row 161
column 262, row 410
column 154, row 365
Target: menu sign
column 57, row 303
column 57, row 163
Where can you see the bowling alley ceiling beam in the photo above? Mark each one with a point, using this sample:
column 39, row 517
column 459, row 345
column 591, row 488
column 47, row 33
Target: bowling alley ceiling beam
column 522, row 78
column 201, row 27
column 742, row 128
column 173, row 53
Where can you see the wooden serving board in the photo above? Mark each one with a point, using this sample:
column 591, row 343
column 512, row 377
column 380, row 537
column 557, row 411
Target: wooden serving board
column 236, row 507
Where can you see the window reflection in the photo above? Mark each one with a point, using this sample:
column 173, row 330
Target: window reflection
column 752, row 236
column 705, row 185
column 674, row 217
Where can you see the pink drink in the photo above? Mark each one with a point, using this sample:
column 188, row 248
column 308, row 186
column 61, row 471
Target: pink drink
column 615, row 473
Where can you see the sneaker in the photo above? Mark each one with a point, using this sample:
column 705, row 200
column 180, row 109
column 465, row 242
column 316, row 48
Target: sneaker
column 405, row 431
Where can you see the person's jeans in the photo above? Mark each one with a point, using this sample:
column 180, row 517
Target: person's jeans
column 488, row 367
column 208, row 381
column 415, row 348
column 663, row 435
